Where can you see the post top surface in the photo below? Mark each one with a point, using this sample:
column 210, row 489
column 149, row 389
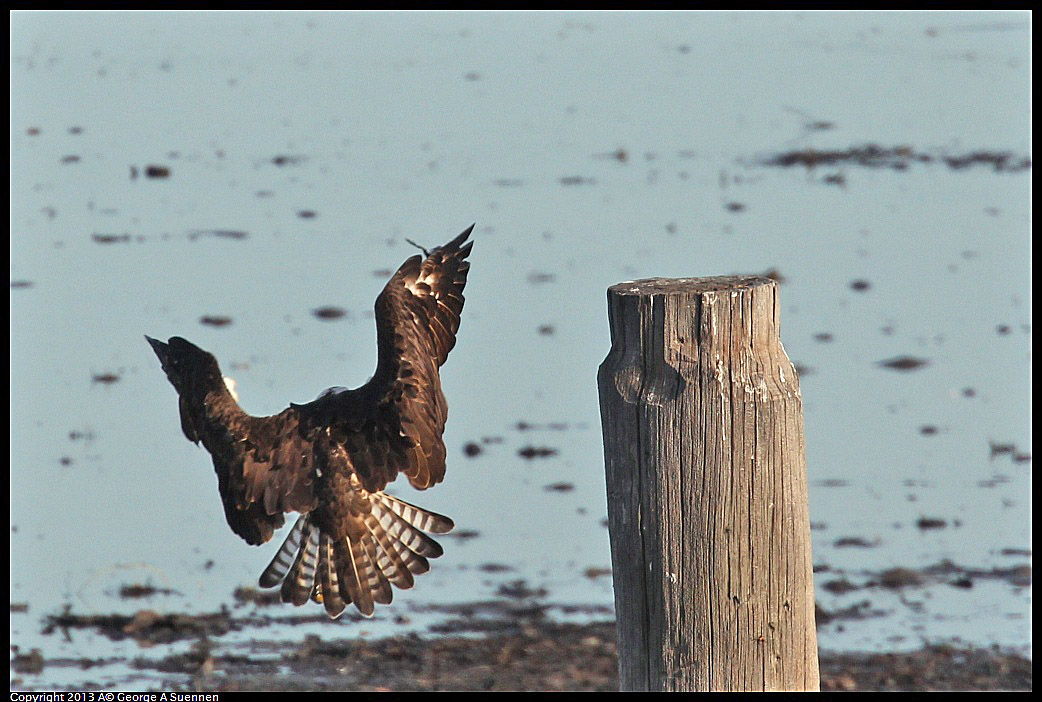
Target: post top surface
column 717, row 283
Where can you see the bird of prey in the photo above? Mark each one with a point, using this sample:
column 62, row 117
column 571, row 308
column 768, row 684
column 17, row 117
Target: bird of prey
column 330, row 459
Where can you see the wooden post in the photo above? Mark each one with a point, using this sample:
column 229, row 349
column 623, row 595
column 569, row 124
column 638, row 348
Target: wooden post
column 707, row 489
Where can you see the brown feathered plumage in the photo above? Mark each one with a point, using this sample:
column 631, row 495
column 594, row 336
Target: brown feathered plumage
column 330, row 459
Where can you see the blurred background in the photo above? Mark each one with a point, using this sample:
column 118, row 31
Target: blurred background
column 248, row 180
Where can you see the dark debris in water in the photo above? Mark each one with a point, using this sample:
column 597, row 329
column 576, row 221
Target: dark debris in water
column 520, row 590
column 329, row 313
column 620, row 155
column 855, row 612
column 1010, row 449
column 840, row 587
column 897, row 578
column 944, row 572
column 831, row 482
column 531, row 452
column 998, row 449
column 536, row 277
column 213, row 320
column 105, row 378
column 286, row 160
column 135, row 591
column 904, row 363
column 21, row 284
column 31, row 663
column 897, row 158
column 462, row 534
column 146, row 626
column 234, row 234
column 1000, row 161
column 549, row 426
column 110, row 238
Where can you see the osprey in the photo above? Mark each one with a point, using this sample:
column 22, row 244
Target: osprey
column 330, row 459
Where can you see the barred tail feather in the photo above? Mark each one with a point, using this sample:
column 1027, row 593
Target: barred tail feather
column 401, row 521
column 300, row 583
column 359, row 572
column 388, row 547
column 391, row 561
column 328, row 593
column 375, row 580
column 350, row 590
column 284, row 559
column 420, row 518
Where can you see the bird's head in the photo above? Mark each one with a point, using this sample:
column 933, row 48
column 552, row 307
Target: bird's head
column 186, row 365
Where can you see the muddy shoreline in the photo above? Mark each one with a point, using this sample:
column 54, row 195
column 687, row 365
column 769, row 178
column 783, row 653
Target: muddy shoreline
column 525, row 651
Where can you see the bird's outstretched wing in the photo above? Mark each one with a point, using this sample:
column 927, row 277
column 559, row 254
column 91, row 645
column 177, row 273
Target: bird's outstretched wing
column 262, row 463
column 397, row 418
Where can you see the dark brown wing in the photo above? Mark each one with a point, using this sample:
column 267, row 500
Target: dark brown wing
column 263, row 464
column 264, row 469
column 417, row 316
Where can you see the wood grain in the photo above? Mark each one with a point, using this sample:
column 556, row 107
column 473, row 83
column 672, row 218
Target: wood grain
column 707, row 491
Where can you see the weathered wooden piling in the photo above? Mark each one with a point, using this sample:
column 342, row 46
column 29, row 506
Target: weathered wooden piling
column 707, row 490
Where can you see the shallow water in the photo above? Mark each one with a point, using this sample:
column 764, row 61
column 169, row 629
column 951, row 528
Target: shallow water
column 302, row 149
